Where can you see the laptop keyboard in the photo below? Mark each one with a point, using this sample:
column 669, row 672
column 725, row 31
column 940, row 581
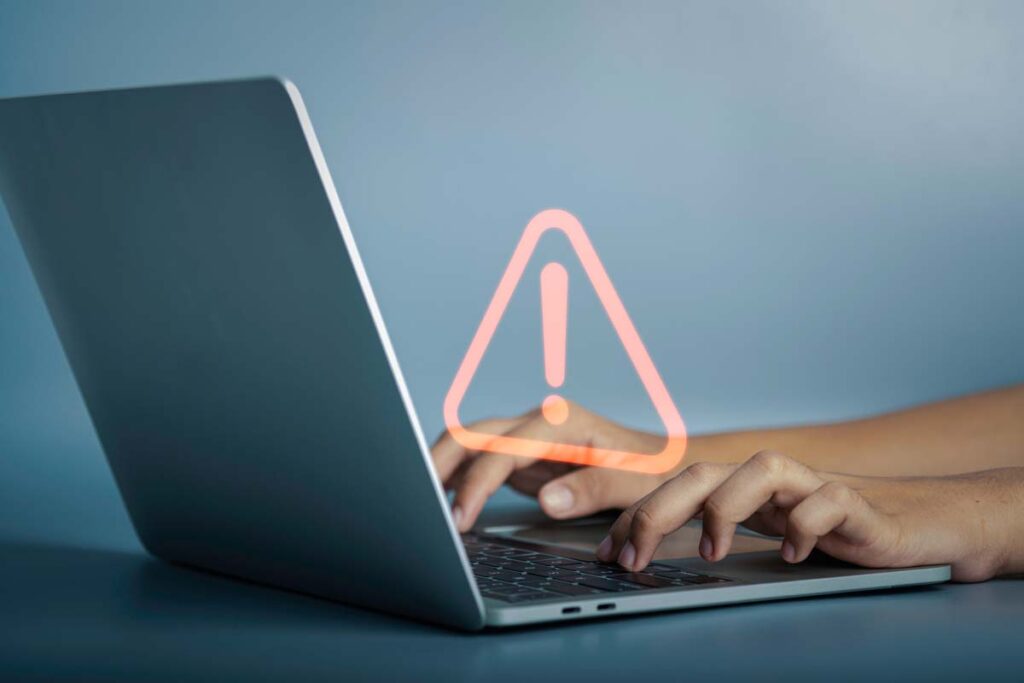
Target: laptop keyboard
column 513, row 574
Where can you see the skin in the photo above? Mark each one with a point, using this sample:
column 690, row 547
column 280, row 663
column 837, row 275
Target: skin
column 937, row 484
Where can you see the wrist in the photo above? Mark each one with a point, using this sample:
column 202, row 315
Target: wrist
column 1006, row 513
column 993, row 535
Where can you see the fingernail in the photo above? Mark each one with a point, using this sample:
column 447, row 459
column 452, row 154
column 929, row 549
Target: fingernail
column 788, row 552
column 457, row 517
column 707, row 548
column 628, row 555
column 557, row 498
column 604, row 550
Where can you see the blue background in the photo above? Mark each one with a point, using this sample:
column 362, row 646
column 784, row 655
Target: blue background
column 811, row 210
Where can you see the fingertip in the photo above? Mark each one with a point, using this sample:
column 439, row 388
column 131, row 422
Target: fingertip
column 465, row 511
column 788, row 552
column 457, row 517
column 707, row 548
column 557, row 500
column 627, row 557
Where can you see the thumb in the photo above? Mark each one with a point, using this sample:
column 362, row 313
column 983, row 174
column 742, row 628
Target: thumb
column 593, row 489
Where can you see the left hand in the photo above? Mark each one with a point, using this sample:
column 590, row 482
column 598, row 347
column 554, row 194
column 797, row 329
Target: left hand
column 873, row 522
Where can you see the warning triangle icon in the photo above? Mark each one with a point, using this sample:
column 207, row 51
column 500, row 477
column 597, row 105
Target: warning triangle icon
column 675, row 430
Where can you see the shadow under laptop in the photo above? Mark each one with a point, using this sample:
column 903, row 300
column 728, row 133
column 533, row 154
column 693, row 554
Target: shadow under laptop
column 53, row 584
column 129, row 616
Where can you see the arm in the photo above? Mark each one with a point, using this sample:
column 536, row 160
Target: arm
column 974, row 522
column 977, row 432
column 982, row 431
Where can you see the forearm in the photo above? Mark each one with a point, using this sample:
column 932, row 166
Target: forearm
column 977, row 432
column 994, row 515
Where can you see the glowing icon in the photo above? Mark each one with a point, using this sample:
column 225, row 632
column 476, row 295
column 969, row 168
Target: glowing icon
column 554, row 285
column 554, row 304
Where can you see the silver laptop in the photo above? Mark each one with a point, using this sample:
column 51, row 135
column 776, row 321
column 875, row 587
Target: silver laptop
column 207, row 290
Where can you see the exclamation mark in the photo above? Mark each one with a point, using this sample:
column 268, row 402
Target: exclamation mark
column 554, row 305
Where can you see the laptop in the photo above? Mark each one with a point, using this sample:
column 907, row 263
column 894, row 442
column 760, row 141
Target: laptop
column 207, row 290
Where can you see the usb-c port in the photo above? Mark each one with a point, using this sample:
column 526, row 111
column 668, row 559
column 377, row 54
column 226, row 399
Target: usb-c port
column 605, row 606
column 570, row 610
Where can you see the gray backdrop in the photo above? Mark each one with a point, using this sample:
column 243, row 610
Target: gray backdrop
column 811, row 210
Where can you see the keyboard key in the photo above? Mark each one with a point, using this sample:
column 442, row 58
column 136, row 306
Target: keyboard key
column 516, row 565
column 533, row 581
column 508, row 570
column 565, row 575
column 552, row 561
column 491, row 562
column 574, row 565
column 485, row 571
column 507, row 589
column 545, row 558
column 542, row 571
column 600, row 569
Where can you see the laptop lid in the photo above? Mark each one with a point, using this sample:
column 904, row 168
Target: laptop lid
column 206, row 288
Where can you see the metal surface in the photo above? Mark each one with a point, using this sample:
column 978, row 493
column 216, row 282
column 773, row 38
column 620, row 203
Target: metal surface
column 206, row 290
column 757, row 572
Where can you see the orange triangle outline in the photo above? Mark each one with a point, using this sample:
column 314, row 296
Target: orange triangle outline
column 675, row 430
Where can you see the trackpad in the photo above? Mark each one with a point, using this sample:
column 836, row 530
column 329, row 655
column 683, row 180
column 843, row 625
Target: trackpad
column 586, row 535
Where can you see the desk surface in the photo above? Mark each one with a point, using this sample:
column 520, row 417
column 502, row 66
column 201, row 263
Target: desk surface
column 82, row 602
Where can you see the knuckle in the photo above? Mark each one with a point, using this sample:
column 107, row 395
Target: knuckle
column 644, row 521
column 714, row 508
column 621, row 526
column 771, row 462
column 838, row 493
column 799, row 523
column 701, row 471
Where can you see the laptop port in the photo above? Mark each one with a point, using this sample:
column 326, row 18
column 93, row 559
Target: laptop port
column 605, row 606
column 570, row 610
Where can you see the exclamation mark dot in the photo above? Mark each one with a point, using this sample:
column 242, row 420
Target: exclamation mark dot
column 554, row 304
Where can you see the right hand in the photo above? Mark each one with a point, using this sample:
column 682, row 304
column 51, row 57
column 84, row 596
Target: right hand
column 564, row 491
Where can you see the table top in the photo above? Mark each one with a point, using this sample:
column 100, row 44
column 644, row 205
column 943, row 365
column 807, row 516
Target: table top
column 80, row 599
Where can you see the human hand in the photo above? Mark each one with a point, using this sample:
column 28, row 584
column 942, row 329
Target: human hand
column 564, row 491
column 873, row 522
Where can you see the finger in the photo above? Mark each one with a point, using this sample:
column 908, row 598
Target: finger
column 768, row 521
column 618, row 534
column 591, row 489
column 455, row 479
column 834, row 507
column 448, row 454
column 481, row 479
column 635, row 535
column 530, row 480
column 768, row 477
